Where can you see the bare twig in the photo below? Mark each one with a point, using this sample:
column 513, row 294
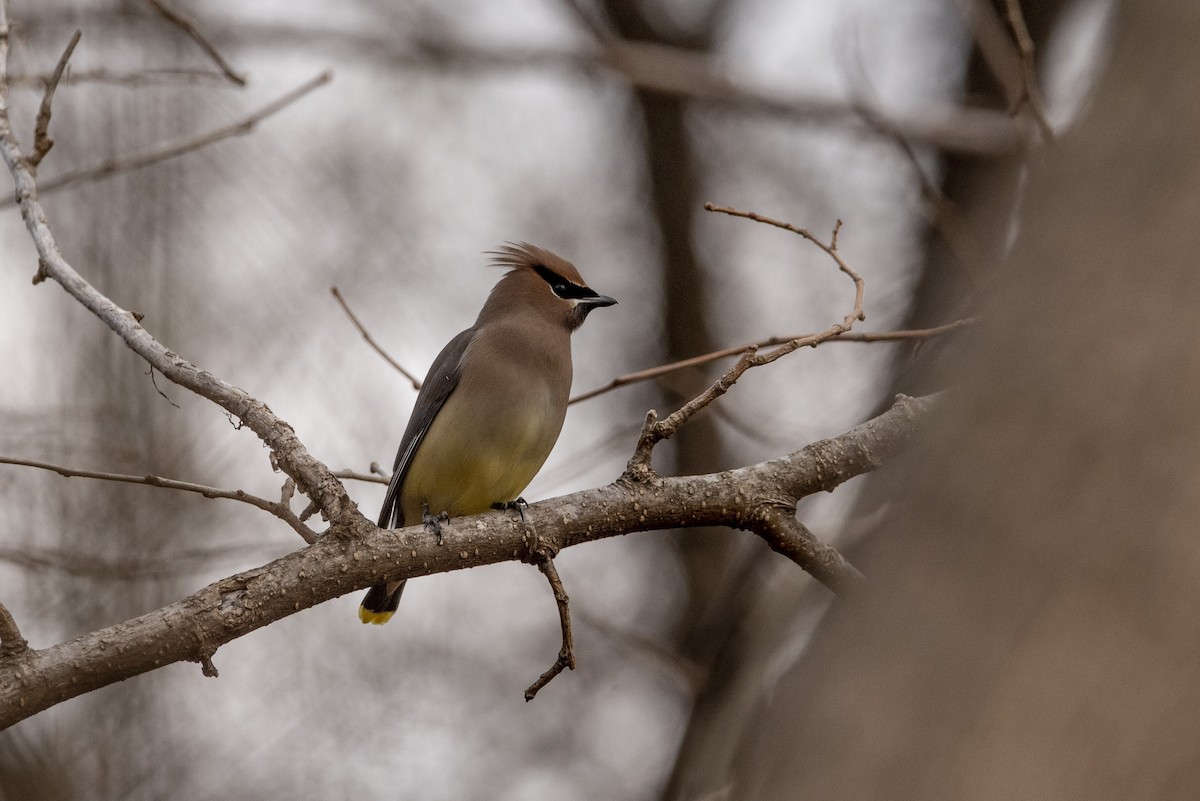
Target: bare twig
column 655, row 430
column 238, row 128
column 11, row 641
column 1031, row 95
column 167, row 75
column 917, row 334
column 280, row 510
column 41, row 129
column 566, row 655
column 131, row 567
column 189, row 27
column 366, row 335
column 352, row 475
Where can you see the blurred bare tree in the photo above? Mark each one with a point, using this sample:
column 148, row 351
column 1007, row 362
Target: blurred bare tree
column 1030, row 630
column 457, row 126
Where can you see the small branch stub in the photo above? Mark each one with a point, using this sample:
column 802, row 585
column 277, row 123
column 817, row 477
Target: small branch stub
column 41, row 130
column 11, row 641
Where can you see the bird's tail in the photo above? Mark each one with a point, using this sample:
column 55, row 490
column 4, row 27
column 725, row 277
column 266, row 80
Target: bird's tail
column 380, row 603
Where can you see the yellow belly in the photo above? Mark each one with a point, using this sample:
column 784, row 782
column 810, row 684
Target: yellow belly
column 464, row 464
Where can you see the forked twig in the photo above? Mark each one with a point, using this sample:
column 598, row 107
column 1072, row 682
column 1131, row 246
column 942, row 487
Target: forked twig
column 566, row 655
column 655, row 430
column 189, row 27
column 909, row 335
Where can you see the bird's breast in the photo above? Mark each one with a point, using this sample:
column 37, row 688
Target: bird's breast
column 489, row 440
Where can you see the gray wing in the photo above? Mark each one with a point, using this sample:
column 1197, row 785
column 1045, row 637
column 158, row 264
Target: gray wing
column 439, row 383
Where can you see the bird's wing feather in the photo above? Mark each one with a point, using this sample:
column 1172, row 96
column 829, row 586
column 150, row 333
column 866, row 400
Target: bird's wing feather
column 439, row 384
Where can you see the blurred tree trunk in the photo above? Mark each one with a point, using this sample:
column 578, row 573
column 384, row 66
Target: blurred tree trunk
column 982, row 192
column 716, row 566
column 674, row 178
column 1030, row 630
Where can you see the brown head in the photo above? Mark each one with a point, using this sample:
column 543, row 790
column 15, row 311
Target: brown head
column 541, row 283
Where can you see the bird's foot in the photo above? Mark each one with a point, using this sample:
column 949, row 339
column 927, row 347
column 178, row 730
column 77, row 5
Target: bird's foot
column 434, row 522
column 520, row 504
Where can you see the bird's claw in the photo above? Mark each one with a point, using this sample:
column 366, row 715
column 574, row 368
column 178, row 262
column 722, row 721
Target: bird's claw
column 434, row 522
column 520, row 504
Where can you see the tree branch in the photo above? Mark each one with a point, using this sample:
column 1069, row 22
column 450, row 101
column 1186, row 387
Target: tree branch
column 916, row 334
column 361, row 555
column 566, row 654
column 788, row 536
column 176, row 149
column 1031, row 95
column 135, row 78
column 189, row 27
column 12, row 644
column 280, row 510
column 313, row 477
column 655, row 430
column 370, row 340
column 41, row 130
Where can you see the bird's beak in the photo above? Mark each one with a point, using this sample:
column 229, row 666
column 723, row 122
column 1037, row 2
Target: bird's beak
column 599, row 300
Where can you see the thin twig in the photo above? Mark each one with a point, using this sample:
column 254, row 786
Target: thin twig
column 242, row 126
column 695, row 361
column 655, row 430
column 131, row 567
column 189, row 27
column 1031, row 95
column 168, row 75
column 11, row 641
column 366, row 335
column 41, row 129
column 372, row 478
column 566, row 655
column 280, row 510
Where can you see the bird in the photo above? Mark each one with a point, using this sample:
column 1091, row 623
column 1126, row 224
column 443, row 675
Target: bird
column 492, row 405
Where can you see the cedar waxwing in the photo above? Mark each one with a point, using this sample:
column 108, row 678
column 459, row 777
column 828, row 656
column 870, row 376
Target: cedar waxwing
column 492, row 404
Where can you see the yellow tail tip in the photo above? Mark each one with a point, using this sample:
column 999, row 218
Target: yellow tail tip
column 378, row 618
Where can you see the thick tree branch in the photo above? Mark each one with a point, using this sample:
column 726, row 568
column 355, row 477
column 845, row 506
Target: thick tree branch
column 359, row 555
column 787, row 535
